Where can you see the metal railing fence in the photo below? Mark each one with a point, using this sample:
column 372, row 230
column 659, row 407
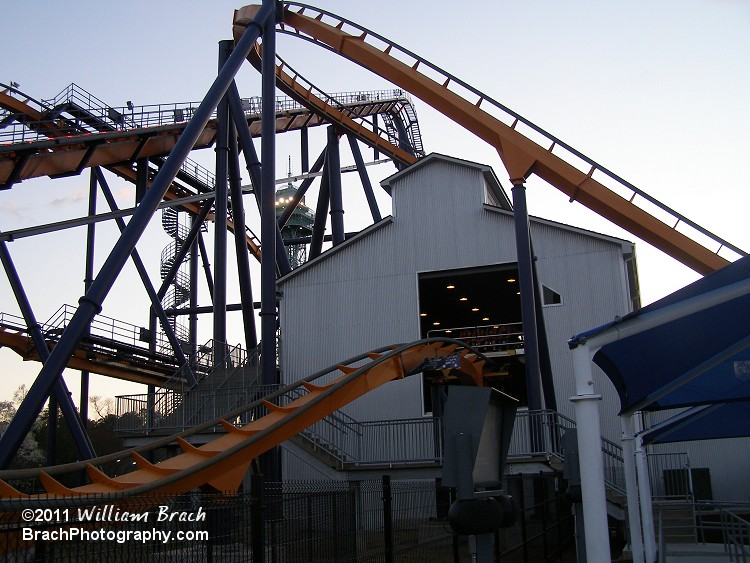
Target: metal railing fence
column 736, row 531
column 175, row 411
column 386, row 133
column 670, row 475
column 100, row 116
column 104, row 333
column 352, row 442
column 486, row 338
column 700, row 523
column 539, row 434
column 101, row 326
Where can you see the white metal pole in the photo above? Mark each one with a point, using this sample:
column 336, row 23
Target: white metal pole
column 644, row 491
column 631, row 486
column 586, row 404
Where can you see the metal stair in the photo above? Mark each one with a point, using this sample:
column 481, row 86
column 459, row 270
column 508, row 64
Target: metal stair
column 676, row 521
column 403, row 128
column 179, row 291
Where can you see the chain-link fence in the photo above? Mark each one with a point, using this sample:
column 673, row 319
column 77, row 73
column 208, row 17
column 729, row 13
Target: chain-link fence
column 324, row 521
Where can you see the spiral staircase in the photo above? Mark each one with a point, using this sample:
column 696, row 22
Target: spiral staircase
column 402, row 128
column 178, row 293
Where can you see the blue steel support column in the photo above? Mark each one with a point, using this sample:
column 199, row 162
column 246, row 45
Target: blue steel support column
column 91, row 303
column 271, row 461
column 193, row 320
column 545, row 364
column 334, row 181
column 77, row 430
column 268, row 224
column 375, row 152
column 255, row 170
column 365, row 179
column 206, row 267
column 220, row 222
column 87, row 279
column 240, row 243
column 321, row 212
column 141, row 179
column 403, row 136
column 51, row 429
column 528, row 309
column 304, row 148
column 156, row 307
column 300, row 193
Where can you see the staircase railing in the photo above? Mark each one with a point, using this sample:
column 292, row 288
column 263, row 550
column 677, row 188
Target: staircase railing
column 736, row 532
column 220, row 390
column 176, row 410
column 670, row 475
column 386, row 442
column 420, row 440
column 539, row 434
column 701, row 523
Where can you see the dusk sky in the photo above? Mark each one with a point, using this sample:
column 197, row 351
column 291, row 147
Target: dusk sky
column 655, row 91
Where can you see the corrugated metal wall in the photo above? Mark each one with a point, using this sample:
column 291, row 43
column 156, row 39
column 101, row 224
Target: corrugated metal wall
column 728, row 460
column 587, row 272
column 365, row 294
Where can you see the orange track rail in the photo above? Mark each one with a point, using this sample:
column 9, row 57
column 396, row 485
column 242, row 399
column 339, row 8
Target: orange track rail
column 222, row 463
column 521, row 155
column 297, row 88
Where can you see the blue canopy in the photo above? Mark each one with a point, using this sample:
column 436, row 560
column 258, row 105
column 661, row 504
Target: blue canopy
column 708, row 422
column 699, row 358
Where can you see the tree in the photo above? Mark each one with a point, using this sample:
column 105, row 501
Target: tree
column 30, row 454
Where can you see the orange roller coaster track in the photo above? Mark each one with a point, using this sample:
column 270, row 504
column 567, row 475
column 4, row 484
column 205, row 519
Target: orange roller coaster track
column 221, row 463
column 586, row 182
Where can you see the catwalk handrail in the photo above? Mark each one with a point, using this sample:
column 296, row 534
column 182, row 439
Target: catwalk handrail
column 448, row 80
column 104, row 327
column 26, row 98
column 331, row 99
column 164, row 114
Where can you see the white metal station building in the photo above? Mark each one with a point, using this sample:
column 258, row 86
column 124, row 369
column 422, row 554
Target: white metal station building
column 446, row 260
